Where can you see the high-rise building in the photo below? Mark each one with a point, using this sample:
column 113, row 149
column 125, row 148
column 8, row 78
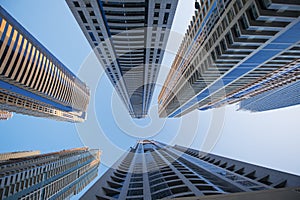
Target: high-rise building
column 33, row 81
column 229, row 47
column 152, row 170
column 129, row 39
column 57, row 175
column 5, row 115
column 17, row 154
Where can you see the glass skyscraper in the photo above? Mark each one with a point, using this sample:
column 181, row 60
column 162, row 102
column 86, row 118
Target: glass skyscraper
column 57, row 175
column 129, row 39
column 230, row 51
column 152, row 170
column 33, row 81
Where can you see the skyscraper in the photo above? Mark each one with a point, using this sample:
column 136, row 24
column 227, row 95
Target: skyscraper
column 229, row 47
column 5, row 115
column 129, row 38
column 33, row 81
column 57, row 175
column 152, row 170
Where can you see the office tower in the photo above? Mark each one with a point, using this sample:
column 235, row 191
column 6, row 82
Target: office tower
column 129, row 39
column 5, row 115
column 57, row 175
column 229, row 47
column 33, row 81
column 17, row 154
column 152, row 170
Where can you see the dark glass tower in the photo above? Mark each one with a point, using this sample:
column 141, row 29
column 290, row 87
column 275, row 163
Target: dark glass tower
column 152, row 170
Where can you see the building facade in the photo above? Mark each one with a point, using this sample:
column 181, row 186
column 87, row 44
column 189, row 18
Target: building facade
column 57, row 175
column 230, row 47
column 152, row 170
column 278, row 91
column 129, row 39
column 5, row 115
column 17, row 154
column 33, row 81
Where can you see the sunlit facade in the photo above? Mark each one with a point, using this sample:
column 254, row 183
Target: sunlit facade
column 33, row 81
column 229, row 50
column 152, row 170
column 129, row 39
column 17, row 154
column 57, row 175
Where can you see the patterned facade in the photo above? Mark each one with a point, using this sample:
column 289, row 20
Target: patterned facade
column 230, row 50
column 278, row 91
column 33, row 81
column 152, row 170
column 57, row 175
column 129, row 38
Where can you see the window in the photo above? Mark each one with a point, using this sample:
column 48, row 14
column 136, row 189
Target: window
column 95, row 21
column 82, row 16
column 166, row 17
column 92, row 36
column 76, row 4
column 155, row 21
column 158, row 51
column 157, row 6
column 162, row 37
column 156, row 14
column 97, row 28
column 88, row 5
column 92, row 13
column 88, row 28
column 168, row 6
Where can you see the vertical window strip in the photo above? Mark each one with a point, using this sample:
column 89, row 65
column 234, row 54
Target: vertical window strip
column 48, row 74
column 42, row 68
column 58, row 86
column 17, row 60
column 11, row 53
column 37, row 72
column 46, row 90
column 28, row 54
column 54, row 79
column 3, row 30
column 5, row 45
column 44, row 74
column 32, row 68
column 23, row 55
column 28, row 65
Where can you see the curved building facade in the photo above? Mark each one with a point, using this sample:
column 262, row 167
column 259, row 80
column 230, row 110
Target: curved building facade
column 33, row 81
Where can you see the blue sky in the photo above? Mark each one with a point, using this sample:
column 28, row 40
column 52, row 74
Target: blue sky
column 270, row 138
